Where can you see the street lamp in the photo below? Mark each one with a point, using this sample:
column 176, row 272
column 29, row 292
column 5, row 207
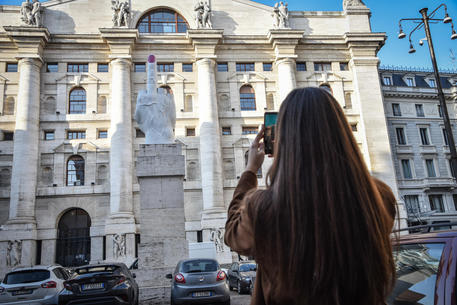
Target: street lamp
column 424, row 23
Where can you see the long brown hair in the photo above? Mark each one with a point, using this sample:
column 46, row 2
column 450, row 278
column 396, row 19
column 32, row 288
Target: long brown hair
column 324, row 225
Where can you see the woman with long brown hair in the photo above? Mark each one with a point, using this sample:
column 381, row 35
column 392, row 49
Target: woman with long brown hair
column 320, row 232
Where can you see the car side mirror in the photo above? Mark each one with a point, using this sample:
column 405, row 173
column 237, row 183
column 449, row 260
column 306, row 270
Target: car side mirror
column 134, row 275
column 169, row 276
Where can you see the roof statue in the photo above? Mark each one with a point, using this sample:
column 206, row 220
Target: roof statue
column 121, row 13
column 31, row 13
column 281, row 16
column 347, row 3
column 203, row 15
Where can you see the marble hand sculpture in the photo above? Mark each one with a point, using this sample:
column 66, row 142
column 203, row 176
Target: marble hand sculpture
column 155, row 110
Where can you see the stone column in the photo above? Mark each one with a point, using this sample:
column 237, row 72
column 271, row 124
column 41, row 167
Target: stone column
column 210, row 141
column 284, row 43
column 121, row 154
column 26, row 137
column 286, row 77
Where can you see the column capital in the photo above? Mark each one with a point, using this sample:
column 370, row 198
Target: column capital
column 211, row 62
column 364, row 44
column 30, row 41
column 284, row 42
column 120, row 41
column 285, row 60
column 205, row 42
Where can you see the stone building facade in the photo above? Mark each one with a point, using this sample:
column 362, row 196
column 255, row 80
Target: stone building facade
column 68, row 90
column 419, row 142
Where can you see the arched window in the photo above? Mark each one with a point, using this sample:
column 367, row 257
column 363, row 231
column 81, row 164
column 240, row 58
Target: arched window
column 162, row 21
column 75, row 171
column 270, row 101
column 77, row 101
column 8, row 106
column 167, row 88
column 101, row 104
column 247, row 98
column 188, row 104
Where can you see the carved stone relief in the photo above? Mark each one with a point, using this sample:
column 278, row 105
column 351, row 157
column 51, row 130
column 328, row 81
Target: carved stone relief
column 119, row 247
column 14, row 253
column 217, row 236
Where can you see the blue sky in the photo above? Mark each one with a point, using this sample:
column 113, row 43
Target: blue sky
column 385, row 16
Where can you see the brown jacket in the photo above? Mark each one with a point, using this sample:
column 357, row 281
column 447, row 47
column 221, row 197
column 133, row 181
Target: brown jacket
column 239, row 232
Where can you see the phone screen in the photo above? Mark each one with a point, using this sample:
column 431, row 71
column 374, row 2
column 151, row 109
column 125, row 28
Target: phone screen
column 270, row 119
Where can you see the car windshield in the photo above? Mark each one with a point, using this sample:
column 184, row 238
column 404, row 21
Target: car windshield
column 199, row 266
column 96, row 269
column 248, row 267
column 26, row 276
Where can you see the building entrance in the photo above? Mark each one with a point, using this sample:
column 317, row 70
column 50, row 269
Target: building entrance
column 73, row 238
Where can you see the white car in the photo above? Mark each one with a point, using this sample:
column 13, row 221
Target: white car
column 33, row 285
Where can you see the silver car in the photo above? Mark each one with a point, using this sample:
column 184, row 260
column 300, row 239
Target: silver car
column 199, row 281
column 33, row 285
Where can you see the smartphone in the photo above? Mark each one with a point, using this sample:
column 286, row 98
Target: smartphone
column 270, row 119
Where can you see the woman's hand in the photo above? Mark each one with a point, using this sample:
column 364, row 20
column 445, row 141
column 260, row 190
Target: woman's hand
column 256, row 153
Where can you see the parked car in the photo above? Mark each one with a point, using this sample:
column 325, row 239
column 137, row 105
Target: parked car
column 240, row 276
column 101, row 284
column 426, row 269
column 199, row 281
column 34, row 285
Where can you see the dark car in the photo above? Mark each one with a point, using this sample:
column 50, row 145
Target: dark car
column 199, row 281
column 100, row 284
column 241, row 276
column 426, row 269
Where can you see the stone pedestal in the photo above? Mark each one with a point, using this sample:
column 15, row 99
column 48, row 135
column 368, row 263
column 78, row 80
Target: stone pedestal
column 160, row 171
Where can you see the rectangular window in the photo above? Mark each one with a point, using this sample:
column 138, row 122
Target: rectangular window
column 187, row 67
column 103, row 134
column 190, row 132
column 222, row 67
column 166, row 67
column 11, row 67
column 410, row 82
column 454, row 197
column 139, row 133
column 344, row 66
column 401, row 139
column 322, row 66
column 387, row 80
column 446, row 139
column 52, row 67
column 139, row 67
column 451, row 169
column 301, row 66
column 424, row 136
column 49, row 135
column 420, row 110
column 267, row 66
column 249, row 130
column 8, row 136
column 396, row 109
column 436, row 203
column 406, row 169
column 245, row 67
column 431, row 173
column 354, row 127
column 412, row 204
column 200, row 236
column 226, row 131
column 76, row 134
column 77, row 68
column 38, row 245
column 102, row 68
column 440, row 111
column 432, row 83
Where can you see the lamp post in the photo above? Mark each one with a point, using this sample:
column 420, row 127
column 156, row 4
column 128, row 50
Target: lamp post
column 424, row 22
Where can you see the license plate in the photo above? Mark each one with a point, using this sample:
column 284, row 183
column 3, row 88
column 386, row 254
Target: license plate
column 201, row 294
column 93, row 286
column 22, row 292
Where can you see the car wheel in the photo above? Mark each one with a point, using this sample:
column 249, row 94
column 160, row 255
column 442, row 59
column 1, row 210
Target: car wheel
column 239, row 287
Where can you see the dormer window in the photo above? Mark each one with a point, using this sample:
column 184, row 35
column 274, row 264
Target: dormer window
column 409, row 81
column 432, row 83
column 387, row 80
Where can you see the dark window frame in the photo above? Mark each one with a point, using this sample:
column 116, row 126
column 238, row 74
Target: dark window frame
column 138, row 65
column 396, row 109
column 267, row 66
column 187, row 67
column 49, row 132
column 247, row 99
column 101, row 68
column 301, row 66
column 423, row 132
column 77, row 67
column 54, row 67
column 165, row 67
column 76, row 134
column 76, row 169
column 102, row 131
column 12, row 67
column 227, row 131
column 401, row 137
column 344, row 66
column 151, row 22
column 222, row 67
column 190, row 132
column 77, row 101
column 8, row 135
column 249, row 130
column 420, row 110
column 322, row 66
column 245, row 67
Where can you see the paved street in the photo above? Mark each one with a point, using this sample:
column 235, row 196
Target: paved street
column 237, row 299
